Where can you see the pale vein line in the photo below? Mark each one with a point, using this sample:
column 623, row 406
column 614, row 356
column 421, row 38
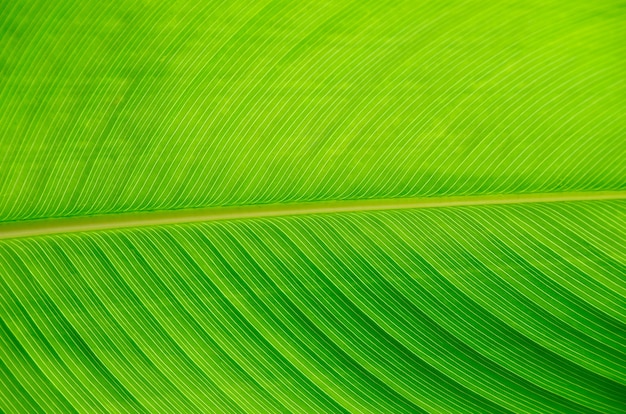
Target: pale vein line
column 11, row 230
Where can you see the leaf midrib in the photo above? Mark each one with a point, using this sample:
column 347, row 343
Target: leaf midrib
column 79, row 224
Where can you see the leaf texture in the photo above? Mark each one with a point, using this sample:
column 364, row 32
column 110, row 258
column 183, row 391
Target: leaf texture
column 124, row 109
column 122, row 106
column 434, row 310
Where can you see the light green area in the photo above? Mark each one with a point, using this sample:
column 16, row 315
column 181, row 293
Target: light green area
column 439, row 310
column 113, row 106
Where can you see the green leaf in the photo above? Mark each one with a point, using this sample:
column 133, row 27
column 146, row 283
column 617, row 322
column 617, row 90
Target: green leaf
column 298, row 206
